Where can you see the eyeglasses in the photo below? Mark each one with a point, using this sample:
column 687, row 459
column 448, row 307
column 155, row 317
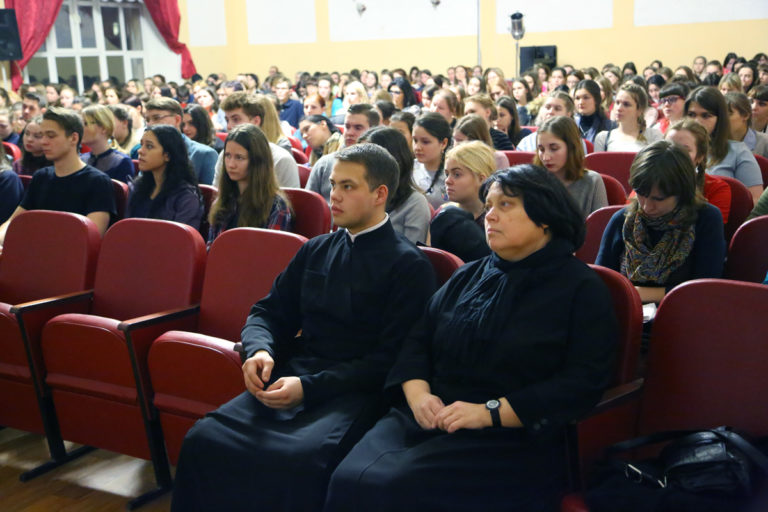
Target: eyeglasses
column 395, row 92
column 157, row 118
column 669, row 99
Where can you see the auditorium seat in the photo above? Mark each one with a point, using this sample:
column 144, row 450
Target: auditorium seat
column 242, row 264
column 148, row 278
column 519, row 157
column 613, row 163
column 304, row 171
column 209, row 193
column 444, row 262
column 121, row 192
column 596, row 223
column 12, row 150
column 312, row 215
column 748, row 252
column 617, row 196
column 299, row 156
column 741, row 206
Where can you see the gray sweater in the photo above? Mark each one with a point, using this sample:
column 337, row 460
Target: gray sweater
column 412, row 218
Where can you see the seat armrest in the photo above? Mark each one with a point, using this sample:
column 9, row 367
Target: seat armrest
column 59, row 300
column 157, row 318
column 617, row 396
column 240, row 349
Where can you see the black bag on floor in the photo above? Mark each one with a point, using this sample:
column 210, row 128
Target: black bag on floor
column 703, row 471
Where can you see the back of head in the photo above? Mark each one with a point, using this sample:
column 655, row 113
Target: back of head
column 475, row 128
column 381, row 168
column 546, row 200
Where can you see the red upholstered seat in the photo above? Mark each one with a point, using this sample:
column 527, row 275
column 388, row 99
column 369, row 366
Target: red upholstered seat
column 596, row 223
column 312, row 215
column 209, row 193
column 741, row 206
column 299, row 156
column 613, row 163
column 617, row 196
column 121, row 192
column 304, row 172
column 96, row 361
column 748, row 252
column 196, row 371
column 763, row 163
column 444, row 263
column 519, row 157
column 13, row 150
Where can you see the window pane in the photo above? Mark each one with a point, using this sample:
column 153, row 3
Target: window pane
column 111, row 23
column 63, row 33
column 137, row 68
column 87, row 30
column 115, row 69
column 65, row 66
column 91, row 71
column 133, row 29
column 38, row 70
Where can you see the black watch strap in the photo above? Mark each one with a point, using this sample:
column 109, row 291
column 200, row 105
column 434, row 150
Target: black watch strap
column 493, row 408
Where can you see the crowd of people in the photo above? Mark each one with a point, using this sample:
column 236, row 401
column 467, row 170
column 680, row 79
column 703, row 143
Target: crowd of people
column 395, row 395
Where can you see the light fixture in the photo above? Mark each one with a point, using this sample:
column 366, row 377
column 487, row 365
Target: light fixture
column 517, row 29
column 435, row 3
column 361, row 7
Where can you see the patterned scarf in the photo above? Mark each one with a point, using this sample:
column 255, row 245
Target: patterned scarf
column 643, row 263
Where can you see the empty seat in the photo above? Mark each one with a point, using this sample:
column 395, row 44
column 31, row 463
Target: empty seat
column 613, row 163
column 312, row 215
column 617, row 196
column 596, row 223
column 444, row 263
column 519, row 157
column 748, row 252
column 741, row 206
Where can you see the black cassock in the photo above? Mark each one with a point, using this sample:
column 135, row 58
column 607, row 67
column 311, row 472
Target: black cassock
column 354, row 303
column 540, row 332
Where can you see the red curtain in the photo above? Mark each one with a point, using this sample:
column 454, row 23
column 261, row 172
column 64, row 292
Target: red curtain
column 165, row 14
column 35, row 19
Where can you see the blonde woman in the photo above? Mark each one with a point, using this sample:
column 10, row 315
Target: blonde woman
column 632, row 133
column 98, row 135
column 459, row 227
column 354, row 93
column 270, row 125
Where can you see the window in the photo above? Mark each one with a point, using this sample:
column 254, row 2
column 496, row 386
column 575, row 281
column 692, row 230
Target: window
column 93, row 40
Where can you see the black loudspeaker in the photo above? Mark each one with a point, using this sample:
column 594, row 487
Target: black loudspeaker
column 532, row 55
column 10, row 43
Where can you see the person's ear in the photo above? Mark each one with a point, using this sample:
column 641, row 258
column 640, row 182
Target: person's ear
column 382, row 194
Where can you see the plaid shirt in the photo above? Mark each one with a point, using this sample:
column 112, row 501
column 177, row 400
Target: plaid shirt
column 280, row 218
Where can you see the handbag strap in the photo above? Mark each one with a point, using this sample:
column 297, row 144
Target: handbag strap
column 748, row 449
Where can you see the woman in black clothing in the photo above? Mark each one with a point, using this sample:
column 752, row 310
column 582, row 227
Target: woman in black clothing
column 590, row 117
column 508, row 352
column 32, row 156
column 197, row 125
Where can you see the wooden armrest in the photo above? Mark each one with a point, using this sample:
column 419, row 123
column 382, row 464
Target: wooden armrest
column 617, row 396
column 238, row 347
column 51, row 301
column 156, row 318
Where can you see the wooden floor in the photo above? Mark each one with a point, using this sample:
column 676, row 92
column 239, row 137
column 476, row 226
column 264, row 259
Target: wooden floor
column 99, row 481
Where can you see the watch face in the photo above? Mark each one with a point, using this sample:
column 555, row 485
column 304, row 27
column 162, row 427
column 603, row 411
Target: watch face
column 492, row 404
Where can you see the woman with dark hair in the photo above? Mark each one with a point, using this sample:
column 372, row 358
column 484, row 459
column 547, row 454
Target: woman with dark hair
column 473, row 127
column 629, row 69
column 672, row 101
column 403, row 122
column 758, row 98
column 476, row 85
column 521, row 92
column 207, row 98
column 590, row 116
column 407, row 207
column 446, row 103
column 197, row 125
column 248, row 192
column 321, row 135
column 483, row 105
column 728, row 62
column 431, row 139
column 371, row 83
column 167, row 188
column 730, row 158
column 559, row 150
column 403, row 96
column 655, row 83
column 508, row 120
column 668, row 234
column 748, row 76
column 514, row 347
column 740, row 117
column 32, row 155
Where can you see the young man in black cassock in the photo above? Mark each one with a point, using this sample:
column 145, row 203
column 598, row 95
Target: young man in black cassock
column 353, row 295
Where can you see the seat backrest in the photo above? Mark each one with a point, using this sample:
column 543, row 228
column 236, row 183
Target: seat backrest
column 590, row 147
column 146, row 266
column 617, row 196
column 706, row 362
column 763, row 163
column 13, row 150
column 299, row 156
column 741, row 206
column 519, row 157
column 613, row 163
column 444, row 263
column 295, row 143
column 242, row 265
column 222, row 136
column 312, row 216
column 596, row 223
column 48, row 253
column 748, row 252
column 209, row 193
column 121, row 192
column 629, row 313
column 304, row 172
column 135, row 167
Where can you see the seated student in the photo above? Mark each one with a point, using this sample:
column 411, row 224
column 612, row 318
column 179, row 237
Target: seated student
column 11, row 188
column 508, row 120
column 631, row 133
column 196, row 124
column 167, row 111
column 403, row 96
column 98, row 128
column 241, row 108
column 483, row 105
column 125, row 135
column 408, row 208
column 403, row 122
column 354, row 94
column 447, row 104
column 431, row 139
column 590, row 116
column 758, row 97
column 290, row 110
column 69, row 185
column 741, row 124
column 321, row 135
column 521, row 92
column 459, row 226
column 672, row 100
column 474, row 127
column 248, row 192
column 556, row 103
column 7, row 133
column 694, row 139
column 32, row 155
column 270, row 123
column 167, row 187
column 513, row 348
column 559, row 151
column 667, row 235
column 359, row 118
column 352, row 295
column 707, row 106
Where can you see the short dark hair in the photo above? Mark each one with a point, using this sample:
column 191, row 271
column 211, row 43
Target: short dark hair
column 406, row 117
column 387, row 108
column 166, row 104
column 380, row 167
column 69, row 121
column 394, row 142
column 545, row 199
column 39, row 98
column 674, row 89
column 248, row 102
column 368, row 111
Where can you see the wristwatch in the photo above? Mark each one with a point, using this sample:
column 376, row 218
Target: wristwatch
column 493, row 408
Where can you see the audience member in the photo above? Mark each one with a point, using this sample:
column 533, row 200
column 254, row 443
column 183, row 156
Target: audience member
column 291, row 110
column 741, row 124
column 483, row 105
column 631, row 133
column 197, row 125
column 431, row 139
column 321, row 135
column 98, row 130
